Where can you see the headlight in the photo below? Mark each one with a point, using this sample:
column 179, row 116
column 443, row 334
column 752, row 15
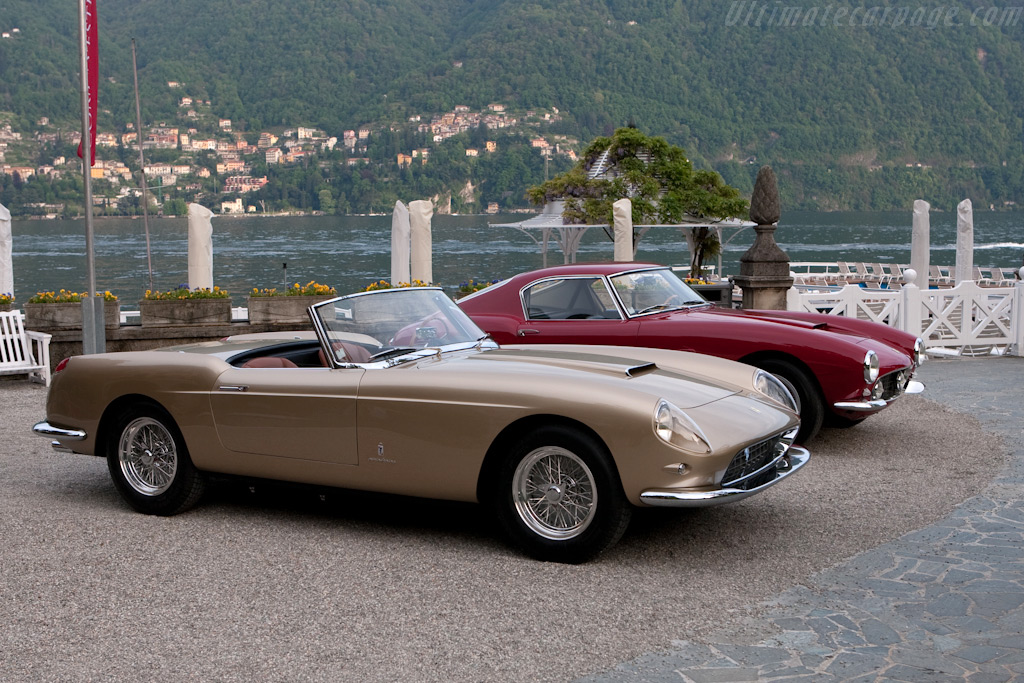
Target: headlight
column 918, row 351
column 770, row 385
column 675, row 427
column 870, row 367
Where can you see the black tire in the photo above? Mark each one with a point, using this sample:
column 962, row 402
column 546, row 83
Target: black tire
column 807, row 392
column 149, row 463
column 578, row 508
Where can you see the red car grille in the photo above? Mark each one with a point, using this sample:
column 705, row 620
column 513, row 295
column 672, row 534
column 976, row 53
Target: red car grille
column 894, row 384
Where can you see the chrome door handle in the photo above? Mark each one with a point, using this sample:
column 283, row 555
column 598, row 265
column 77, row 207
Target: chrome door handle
column 233, row 387
column 526, row 330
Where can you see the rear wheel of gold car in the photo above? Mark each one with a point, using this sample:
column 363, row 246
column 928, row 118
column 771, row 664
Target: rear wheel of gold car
column 150, row 465
column 559, row 496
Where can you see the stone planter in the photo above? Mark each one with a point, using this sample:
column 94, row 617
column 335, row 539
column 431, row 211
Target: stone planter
column 4, row 308
column 155, row 312
column 283, row 309
column 67, row 316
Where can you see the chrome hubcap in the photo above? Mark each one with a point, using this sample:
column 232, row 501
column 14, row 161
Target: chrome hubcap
column 554, row 493
column 148, row 457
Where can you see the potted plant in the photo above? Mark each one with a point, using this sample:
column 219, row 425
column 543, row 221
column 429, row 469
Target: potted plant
column 62, row 310
column 289, row 306
column 384, row 284
column 469, row 286
column 5, row 301
column 184, row 306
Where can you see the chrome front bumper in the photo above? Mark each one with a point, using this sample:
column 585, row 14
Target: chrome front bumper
column 796, row 457
column 913, row 387
column 46, row 429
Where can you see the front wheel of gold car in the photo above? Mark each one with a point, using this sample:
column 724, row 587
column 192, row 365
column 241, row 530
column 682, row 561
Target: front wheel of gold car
column 559, row 496
column 150, row 465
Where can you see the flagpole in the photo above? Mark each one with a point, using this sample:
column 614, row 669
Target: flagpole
column 142, row 165
column 93, row 332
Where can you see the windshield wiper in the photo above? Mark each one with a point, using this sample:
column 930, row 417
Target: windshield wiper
column 391, row 353
column 656, row 307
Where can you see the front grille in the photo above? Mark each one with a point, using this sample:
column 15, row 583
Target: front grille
column 894, row 384
column 750, row 460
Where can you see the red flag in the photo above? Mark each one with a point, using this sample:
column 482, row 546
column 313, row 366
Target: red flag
column 93, row 74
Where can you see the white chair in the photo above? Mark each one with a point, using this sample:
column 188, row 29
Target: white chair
column 23, row 352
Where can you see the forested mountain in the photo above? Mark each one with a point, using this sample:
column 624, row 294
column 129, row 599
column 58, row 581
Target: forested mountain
column 868, row 107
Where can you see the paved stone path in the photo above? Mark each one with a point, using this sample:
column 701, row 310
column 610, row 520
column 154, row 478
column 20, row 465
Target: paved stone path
column 941, row 604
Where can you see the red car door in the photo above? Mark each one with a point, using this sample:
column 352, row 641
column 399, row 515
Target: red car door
column 588, row 331
column 573, row 310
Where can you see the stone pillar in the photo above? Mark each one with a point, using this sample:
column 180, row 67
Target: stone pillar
column 764, row 268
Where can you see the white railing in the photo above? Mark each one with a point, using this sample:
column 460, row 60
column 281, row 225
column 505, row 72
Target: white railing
column 966, row 319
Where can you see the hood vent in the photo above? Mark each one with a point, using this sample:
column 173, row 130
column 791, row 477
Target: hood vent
column 638, row 370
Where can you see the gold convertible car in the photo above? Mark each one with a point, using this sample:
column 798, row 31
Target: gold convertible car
column 399, row 391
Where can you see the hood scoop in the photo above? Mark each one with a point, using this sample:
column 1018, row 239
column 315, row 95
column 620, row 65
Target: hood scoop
column 638, row 370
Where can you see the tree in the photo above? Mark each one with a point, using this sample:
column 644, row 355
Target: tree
column 656, row 177
column 326, row 201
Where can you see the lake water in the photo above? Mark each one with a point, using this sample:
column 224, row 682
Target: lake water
column 349, row 252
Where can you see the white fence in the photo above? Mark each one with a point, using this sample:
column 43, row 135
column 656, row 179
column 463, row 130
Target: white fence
column 966, row 319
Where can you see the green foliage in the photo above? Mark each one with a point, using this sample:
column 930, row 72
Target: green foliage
column 837, row 108
column 183, row 293
column 175, row 207
column 66, row 296
column 656, row 177
column 311, row 288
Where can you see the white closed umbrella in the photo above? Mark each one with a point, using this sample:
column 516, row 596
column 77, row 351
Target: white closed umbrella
column 422, row 267
column 622, row 214
column 200, row 247
column 964, row 241
column 920, row 243
column 6, row 247
column 400, row 245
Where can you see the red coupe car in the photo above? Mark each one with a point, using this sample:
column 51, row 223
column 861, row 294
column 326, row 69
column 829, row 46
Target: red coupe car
column 840, row 369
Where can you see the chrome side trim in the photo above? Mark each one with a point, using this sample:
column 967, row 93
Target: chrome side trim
column 44, row 428
column 797, row 457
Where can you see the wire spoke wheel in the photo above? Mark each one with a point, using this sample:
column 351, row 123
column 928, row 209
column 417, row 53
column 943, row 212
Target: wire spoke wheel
column 148, row 456
column 555, row 493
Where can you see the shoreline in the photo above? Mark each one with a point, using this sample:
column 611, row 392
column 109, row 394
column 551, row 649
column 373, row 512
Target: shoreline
column 516, row 212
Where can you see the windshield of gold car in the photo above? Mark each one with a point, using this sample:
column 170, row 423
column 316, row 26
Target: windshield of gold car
column 650, row 291
column 372, row 326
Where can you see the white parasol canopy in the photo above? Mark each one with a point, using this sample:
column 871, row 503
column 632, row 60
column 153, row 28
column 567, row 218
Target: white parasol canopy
column 920, row 242
column 622, row 212
column 400, row 244
column 200, row 247
column 549, row 224
column 964, row 241
column 421, row 266
column 6, row 246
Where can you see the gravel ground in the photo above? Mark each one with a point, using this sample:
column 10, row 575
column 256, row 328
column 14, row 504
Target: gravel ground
column 273, row 582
